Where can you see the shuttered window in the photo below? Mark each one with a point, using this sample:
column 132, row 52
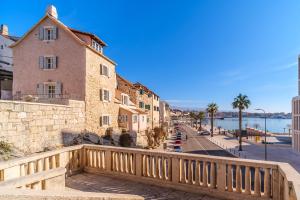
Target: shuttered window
column 104, row 70
column 105, row 120
column 48, row 62
column 105, row 95
column 49, row 90
column 48, row 33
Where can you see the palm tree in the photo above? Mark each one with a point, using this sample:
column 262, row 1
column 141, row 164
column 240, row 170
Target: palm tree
column 241, row 102
column 201, row 116
column 212, row 108
column 192, row 116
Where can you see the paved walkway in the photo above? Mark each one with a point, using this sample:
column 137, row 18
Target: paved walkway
column 275, row 152
column 96, row 183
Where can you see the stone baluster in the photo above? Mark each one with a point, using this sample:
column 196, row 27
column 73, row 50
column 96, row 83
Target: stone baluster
column 95, row 158
column 154, row 160
column 267, row 185
column 133, row 163
column 151, row 166
column 91, row 160
column 125, row 161
column 257, row 182
column 238, row 186
column 182, row 170
column 103, row 159
column 99, row 160
column 165, row 168
column 147, row 165
column 229, row 178
column 31, row 167
column 53, row 162
column 75, row 159
column 221, row 176
column 204, row 174
column 46, row 164
column 247, row 181
column 130, row 162
column 121, row 157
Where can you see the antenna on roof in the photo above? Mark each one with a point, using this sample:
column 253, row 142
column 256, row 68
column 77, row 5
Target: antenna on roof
column 51, row 10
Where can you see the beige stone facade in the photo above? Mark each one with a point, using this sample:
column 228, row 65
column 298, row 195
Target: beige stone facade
column 32, row 127
column 96, row 107
column 149, row 102
column 75, row 68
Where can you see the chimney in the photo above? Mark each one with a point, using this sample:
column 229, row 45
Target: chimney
column 3, row 29
column 51, row 10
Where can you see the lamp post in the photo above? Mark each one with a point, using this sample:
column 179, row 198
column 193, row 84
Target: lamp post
column 265, row 130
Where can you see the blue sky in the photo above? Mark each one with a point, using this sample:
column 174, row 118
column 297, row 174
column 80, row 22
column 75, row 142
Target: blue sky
column 189, row 52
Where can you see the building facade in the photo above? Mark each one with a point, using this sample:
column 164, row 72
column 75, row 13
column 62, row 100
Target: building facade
column 6, row 62
column 296, row 116
column 66, row 63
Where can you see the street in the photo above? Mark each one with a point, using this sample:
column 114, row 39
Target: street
column 200, row 144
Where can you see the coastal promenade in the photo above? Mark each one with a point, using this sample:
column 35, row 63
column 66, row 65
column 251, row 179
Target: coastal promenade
column 251, row 150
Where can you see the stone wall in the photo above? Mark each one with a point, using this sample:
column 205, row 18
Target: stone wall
column 32, row 127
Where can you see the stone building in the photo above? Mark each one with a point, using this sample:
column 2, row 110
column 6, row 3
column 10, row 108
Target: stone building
column 6, row 62
column 131, row 118
column 164, row 113
column 149, row 102
column 64, row 63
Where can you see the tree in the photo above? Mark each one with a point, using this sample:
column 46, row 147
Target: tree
column 212, row 108
column 192, row 116
column 201, row 117
column 241, row 102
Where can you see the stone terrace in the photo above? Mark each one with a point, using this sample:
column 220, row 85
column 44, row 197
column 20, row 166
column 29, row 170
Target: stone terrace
column 105, row 172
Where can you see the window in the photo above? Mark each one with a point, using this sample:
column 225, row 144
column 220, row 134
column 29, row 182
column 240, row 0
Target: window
column 48, row 62
column 134, row 118
column 123, row 118
column 49, row 89
column 105, row 120
column 105, row 95
column 125, row 99
column 142, row 92
column 141, row 104
column 148, row 107
column 104, row 70
column 2, row 47
column 97, row 46
column 48, row 33
column 149, row 95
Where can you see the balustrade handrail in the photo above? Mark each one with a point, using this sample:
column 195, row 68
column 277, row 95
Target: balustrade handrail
column 29, row 158
column 182, row 170
column 227, row 160
column 32, row 178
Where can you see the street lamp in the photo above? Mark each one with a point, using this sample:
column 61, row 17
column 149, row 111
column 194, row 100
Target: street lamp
column 265, row 130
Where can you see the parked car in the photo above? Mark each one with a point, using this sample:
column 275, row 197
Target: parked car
column 177, row 149
column 178, row 142
column 204, row 133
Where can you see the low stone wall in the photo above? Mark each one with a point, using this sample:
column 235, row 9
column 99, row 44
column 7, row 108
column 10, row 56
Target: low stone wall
column 32, row 127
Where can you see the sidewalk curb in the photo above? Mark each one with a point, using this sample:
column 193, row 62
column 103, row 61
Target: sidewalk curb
column 211, row 140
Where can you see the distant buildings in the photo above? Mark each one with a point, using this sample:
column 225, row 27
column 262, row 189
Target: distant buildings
column 6, row 62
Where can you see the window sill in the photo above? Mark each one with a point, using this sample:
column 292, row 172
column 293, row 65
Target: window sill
column 49, row 69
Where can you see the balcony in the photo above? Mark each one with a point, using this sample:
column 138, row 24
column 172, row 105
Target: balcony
column 100, row 172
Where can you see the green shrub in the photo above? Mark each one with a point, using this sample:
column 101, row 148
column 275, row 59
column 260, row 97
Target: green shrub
column 5, row 148
column 125, row 140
